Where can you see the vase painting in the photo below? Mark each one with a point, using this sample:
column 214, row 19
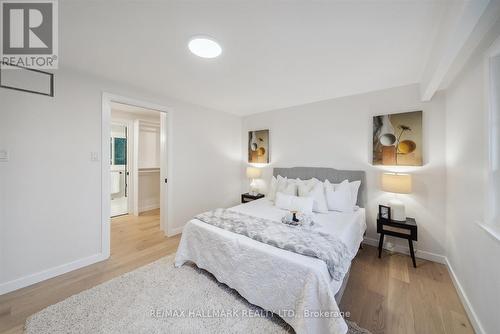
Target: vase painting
column 397, row 139
column 258, row 146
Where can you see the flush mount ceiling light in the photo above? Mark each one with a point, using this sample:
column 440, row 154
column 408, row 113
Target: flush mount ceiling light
column 204, row 47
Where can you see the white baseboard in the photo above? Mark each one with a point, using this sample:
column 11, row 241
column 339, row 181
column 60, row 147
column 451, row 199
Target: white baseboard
column 49, row 273
column 175, row 231
column 149, row 207
column 478, row 328
column 404, row 250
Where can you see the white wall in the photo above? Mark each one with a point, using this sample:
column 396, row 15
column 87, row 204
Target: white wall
column 338, row 133
column 473, row 254
column 50, row 190
column 149, row 191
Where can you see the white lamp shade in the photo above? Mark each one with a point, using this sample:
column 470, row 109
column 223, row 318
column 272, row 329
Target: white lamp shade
column 253, row 173
column 396, row 183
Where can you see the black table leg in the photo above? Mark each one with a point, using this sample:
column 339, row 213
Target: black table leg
column 380, row 243
column 412, row 253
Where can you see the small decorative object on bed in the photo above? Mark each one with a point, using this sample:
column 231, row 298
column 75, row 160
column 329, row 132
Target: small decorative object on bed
column 397, row 139
column 399, row 184
column 258, row 146
column 296, row 218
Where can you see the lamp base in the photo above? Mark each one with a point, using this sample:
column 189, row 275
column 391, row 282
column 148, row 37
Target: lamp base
column 254, row 191
column 398, row 211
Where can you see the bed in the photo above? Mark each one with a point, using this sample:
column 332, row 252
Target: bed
column 292, row 285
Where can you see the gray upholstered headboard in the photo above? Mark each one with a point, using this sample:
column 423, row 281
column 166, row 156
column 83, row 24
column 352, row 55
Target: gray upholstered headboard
column 331, row 174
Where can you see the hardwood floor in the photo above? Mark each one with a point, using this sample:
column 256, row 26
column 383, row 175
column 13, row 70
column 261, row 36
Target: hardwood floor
column 135, row 241
column 389, row 296
column 383, row 295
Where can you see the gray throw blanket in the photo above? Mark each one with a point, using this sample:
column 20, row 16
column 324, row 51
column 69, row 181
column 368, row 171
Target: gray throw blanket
column 297, row 239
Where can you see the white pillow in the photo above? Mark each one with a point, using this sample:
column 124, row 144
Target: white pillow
column 294, row 203
column 271, row 194
column 339, row 198
column 306, row 185
column 316, row 191
column 329, row 186
column 287, row 186
column 310, row 182
column 354, row 189
column 282, row 184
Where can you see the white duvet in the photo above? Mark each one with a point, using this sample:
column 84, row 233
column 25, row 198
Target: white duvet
column 292, row 285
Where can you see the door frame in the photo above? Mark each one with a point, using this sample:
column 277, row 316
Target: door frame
column 166, row 144
column 129, row 126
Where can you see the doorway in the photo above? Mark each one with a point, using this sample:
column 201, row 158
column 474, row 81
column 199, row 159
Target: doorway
column 135, row 164
column 135, row 169
column 119, row 171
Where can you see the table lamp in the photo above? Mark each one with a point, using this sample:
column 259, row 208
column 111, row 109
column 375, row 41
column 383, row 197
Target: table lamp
column 398, row 184
column 253, row 173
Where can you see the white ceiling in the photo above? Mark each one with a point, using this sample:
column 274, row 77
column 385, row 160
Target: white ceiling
column 275, row 54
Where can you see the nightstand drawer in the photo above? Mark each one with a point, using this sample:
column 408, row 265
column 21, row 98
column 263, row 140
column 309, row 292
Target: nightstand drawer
column 396, row 229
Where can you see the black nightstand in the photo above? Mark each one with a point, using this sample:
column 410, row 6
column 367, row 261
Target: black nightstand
column 245, row 198
column 401, row 229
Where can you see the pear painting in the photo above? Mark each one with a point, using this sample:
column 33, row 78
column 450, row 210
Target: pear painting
column 397, row 139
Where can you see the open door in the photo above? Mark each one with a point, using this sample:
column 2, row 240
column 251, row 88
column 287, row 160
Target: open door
column 163, row 169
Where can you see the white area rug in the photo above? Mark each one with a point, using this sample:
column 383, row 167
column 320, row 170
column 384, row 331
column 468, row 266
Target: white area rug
column 159, row 298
